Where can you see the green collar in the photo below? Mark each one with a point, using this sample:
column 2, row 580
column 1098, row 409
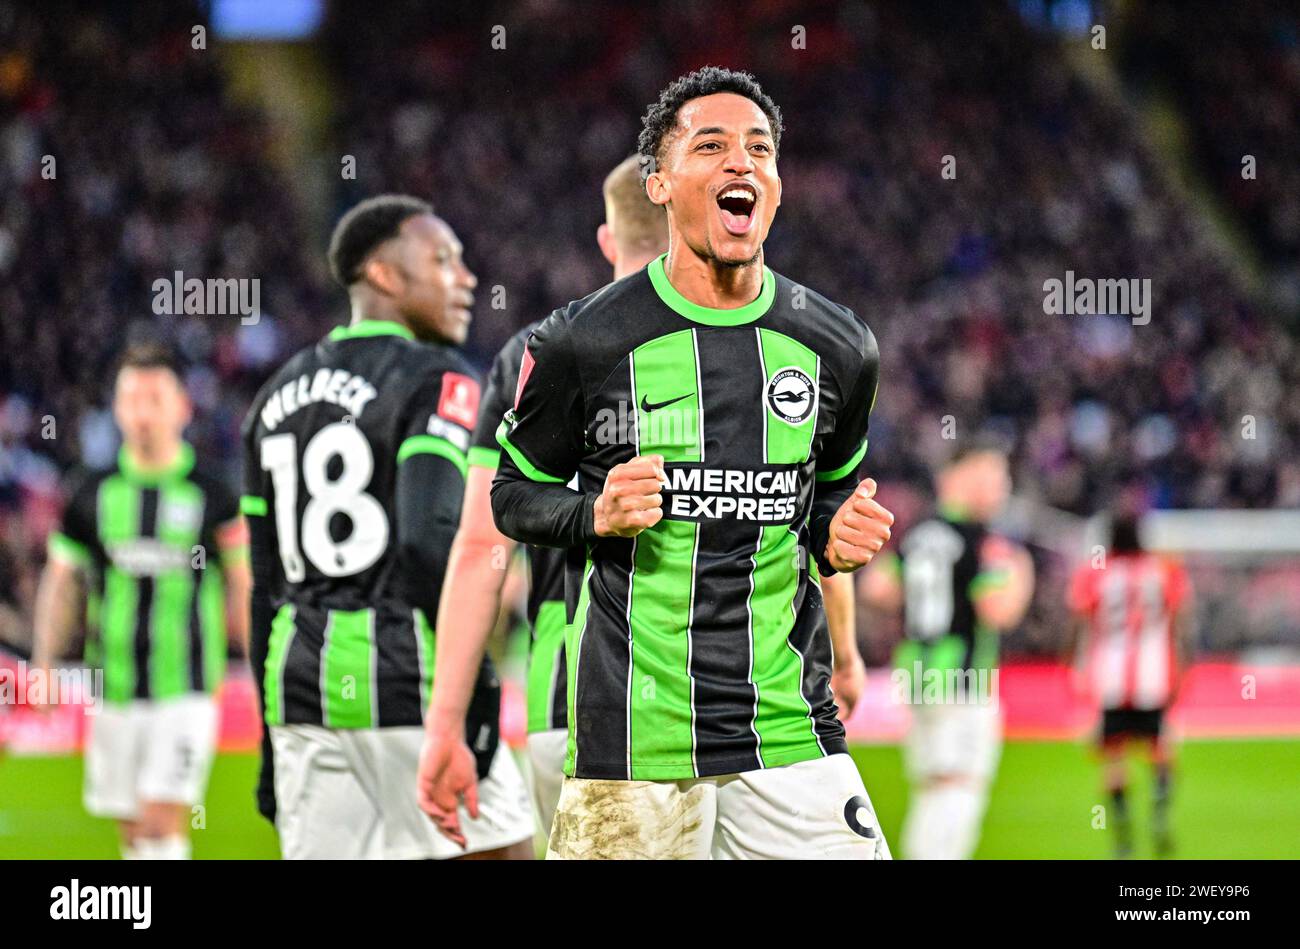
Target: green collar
column 176, row 470
column 953, row 512
column 371, row 328
column 711, row 316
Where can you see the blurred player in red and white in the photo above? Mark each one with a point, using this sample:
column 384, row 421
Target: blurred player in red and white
column 1133, row 613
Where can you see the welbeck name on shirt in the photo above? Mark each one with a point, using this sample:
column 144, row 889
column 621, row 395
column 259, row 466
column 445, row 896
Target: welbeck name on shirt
column 134, row 903
column 335, row 386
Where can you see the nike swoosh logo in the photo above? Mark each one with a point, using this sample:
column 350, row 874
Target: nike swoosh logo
column 647, row 406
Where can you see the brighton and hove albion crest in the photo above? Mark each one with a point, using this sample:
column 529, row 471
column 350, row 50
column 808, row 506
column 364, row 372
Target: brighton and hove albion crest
column 791, row 395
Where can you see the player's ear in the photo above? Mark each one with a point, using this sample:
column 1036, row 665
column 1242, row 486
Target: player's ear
column 656, row 189
column 382, row 276
column 605, row 238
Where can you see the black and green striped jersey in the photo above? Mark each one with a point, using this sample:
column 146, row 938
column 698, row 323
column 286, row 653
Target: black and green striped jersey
column 149, row 543
column 546, row 667
column 354, row 475
column 700, row 647
column 941, row 566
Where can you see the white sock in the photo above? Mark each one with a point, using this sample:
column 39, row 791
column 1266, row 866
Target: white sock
column 943, row 823
column 920, row 828
column 175, row 847
column 964, row 809
column 129, row 852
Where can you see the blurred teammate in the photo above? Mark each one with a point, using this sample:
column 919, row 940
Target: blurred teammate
column 715, row 415
column 634, row 233
column 959, row 586
column 1133, row 617
column 163, row 550
column 355, row 465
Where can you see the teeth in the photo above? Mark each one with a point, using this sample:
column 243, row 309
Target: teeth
column 738, row 193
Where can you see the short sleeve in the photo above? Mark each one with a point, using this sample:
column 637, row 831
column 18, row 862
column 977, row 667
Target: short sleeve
column 253, row 494
column 439, row 418
column 222, row 503
column 842, row 454
column 77, row 535
column 498, row 398
column 544, row 432
column 1082, row 593
column 1178, row 585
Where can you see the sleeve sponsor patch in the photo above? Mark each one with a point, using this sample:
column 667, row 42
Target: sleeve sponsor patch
column 459, row 399
column 455, row 434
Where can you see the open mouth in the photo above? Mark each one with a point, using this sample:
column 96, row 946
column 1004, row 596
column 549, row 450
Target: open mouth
column 736, row 202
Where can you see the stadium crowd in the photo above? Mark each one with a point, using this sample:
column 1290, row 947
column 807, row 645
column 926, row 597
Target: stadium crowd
column 510, row 135
column 1242, row 101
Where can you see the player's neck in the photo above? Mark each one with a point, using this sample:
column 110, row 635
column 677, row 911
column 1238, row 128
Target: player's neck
column 710, row 284
column 153, row 459
column 376, row 309
column 631, row 263
column 953, row 510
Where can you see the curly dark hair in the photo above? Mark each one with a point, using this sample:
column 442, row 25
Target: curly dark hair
column 365, row 227
column 661, row 116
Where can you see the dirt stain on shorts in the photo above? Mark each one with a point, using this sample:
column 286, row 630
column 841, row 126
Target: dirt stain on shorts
column 629, row 820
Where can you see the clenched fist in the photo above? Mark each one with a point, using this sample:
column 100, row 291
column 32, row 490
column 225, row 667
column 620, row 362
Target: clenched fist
column 858, row 530
column 631, row 500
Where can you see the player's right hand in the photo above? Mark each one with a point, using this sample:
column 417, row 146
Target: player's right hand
column 448, row 775
column 631, row 500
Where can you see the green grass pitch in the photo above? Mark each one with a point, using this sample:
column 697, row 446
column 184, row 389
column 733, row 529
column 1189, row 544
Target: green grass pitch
column 1231, row 799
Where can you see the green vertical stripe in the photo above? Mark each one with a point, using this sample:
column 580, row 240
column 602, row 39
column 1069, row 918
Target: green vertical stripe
column 169, row 635
column 277, row 653
column 426, row 645
column 347, row 668
column 543, row 656
column 660, row 717
column 572, row 652
column 212, row 627
column 94, row 651
column 180, row 509
column 782, row 716
column 119, row 522
column 121, row 597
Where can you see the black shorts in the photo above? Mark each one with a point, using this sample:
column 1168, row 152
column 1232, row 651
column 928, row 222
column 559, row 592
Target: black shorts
column 1117, row 723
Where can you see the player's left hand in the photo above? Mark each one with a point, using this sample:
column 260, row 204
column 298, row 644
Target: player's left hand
column 858, row 530
column 848, row 680
column 447, row 776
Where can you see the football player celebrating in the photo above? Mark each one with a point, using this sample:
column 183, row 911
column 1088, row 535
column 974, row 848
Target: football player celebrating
column 715, row 415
